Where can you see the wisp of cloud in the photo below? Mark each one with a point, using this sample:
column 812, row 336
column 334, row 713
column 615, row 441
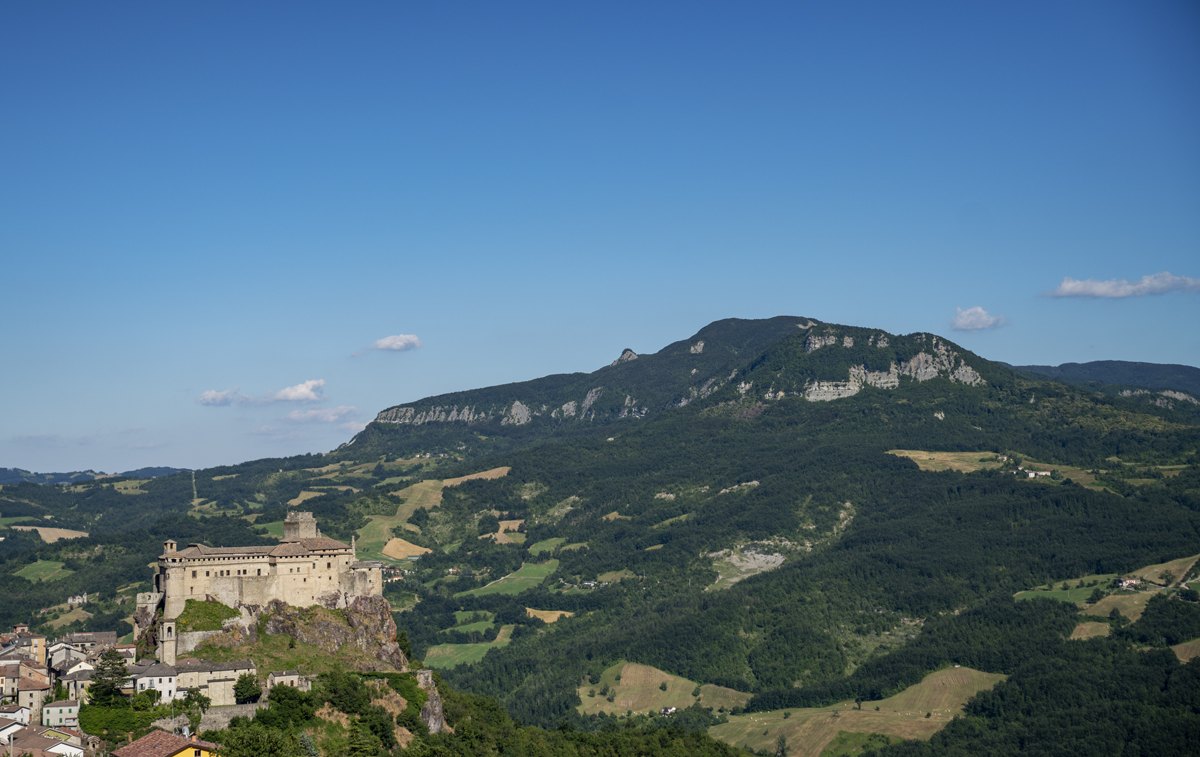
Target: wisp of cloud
column 1159, row 283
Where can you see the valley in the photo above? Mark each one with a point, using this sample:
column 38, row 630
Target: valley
column 793, row 518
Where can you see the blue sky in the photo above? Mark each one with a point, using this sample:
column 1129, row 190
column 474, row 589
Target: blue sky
column 210, row 212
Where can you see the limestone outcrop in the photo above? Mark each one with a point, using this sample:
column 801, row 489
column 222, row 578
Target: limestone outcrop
column 366, row 627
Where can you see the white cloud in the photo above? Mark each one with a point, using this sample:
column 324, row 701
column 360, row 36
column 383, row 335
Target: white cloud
column 396, row 343
column 227, row 397
column 1159, row 283
column 324, row 415
column 309, row 391
column 976, row 318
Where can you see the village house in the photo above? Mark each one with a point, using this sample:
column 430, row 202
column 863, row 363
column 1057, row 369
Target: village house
column 214, row 680
column 89, row 641
column 64, row 712
column 163, row 744
column 15, row 712
column 76, row 683
column 9, row 728
column 288, row 678
column 32, row 694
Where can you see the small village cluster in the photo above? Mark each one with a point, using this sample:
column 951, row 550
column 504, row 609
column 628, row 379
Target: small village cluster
column 31, row 666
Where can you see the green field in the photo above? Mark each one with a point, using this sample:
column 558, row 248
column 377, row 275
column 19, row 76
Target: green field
column 464, row 616
column 274, row 529
column 479, row 627
column 15, row 519
column 452, row 655
column 848, row 743
column 546, row 545
column 1071, row 594
column 529, row 576
column 44, row 570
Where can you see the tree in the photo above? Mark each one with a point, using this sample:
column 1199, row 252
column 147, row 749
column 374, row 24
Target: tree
column 108, row 679
column 363, row 743
column 256, row 740
column 781, row 747
column 146, row 700
column 246, row 689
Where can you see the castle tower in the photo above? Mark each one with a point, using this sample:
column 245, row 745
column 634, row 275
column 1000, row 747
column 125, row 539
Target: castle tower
column 298, row 526
column 166, row 642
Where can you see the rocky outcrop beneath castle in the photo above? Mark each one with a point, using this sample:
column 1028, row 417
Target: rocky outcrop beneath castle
column 365, row 630
column 431, row 712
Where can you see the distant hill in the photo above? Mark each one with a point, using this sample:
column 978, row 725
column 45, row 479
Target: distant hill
column 19, row 475
column 152, row 472
column 1149, row 375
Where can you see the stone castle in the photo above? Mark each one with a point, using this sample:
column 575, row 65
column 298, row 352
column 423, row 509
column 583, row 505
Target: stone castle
column 304, row 569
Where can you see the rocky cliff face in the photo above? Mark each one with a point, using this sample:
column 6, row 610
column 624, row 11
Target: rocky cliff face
column 934, row 358
column 431, row 712
column 365, row 627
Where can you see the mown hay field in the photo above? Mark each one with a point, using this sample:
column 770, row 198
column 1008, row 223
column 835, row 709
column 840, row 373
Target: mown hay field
column 486, row 475
column 1177, row 568
column 399, row 549
column 1131, row 605
column 639, row 688
column 1090, row 630
column 809, row 731
column 51, row 535
column 548, row 616
column 1187, row 651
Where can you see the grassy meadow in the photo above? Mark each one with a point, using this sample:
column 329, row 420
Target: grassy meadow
column 44, row 570
column 444, row 656
column 527, row 577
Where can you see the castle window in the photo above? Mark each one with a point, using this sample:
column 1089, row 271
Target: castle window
column 193, row 574
column 260, row 571
column 206, row 574
column 328, row 566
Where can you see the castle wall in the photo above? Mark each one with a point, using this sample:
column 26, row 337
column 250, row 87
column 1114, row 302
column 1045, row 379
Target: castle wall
column 256, row 580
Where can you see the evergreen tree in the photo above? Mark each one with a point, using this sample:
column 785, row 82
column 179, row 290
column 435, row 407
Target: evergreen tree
column 108, row 679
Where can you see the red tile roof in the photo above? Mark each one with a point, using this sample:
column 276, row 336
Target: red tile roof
column 160, row 744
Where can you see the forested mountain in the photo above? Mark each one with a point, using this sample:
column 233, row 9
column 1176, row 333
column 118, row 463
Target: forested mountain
column 1182, row 378
column 799, row 511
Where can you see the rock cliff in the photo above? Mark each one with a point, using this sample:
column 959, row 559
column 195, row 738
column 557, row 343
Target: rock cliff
column 366, row 627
